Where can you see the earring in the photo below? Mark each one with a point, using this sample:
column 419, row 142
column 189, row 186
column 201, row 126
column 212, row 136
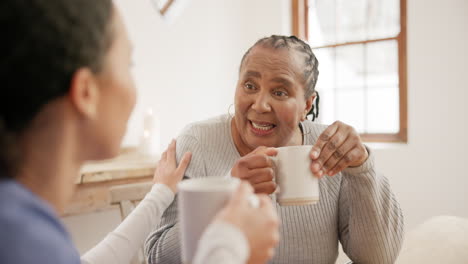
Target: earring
column 229, row 111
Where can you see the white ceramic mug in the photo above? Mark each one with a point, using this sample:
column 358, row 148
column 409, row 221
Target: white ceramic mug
column 297, row 184
column 199, row 201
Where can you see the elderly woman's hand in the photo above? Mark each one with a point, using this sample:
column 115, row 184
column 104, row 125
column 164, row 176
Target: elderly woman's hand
column 336, row 149
column 257, row 168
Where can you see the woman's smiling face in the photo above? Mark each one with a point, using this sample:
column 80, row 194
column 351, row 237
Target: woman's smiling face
column 269, row 99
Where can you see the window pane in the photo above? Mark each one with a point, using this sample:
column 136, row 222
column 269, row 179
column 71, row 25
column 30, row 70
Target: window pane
column 382, row 110
column 326, row 59
column 383, row 19
column 341, row 21
column 382, row 64
column 326, row 84
column 358, row 83
column 322, row 22
column 350, row 66
column 327, row 105
column 351, row 20
column 382, row 87
column 350, row 108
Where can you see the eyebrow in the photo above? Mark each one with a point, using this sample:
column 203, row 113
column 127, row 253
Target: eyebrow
column 282, row 81
column 253, row 74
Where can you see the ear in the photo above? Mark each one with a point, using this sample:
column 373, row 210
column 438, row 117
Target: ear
column 308, row 106
column 84, row 93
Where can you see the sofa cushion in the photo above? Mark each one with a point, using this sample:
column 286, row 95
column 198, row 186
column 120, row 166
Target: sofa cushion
column 442, row 239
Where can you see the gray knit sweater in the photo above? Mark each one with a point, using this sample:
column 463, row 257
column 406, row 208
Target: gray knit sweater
column 356, row 207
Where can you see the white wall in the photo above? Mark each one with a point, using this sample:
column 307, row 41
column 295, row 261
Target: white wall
column 428, row 174
column 187, row 71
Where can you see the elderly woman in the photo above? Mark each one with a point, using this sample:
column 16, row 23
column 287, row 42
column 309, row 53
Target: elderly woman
column 67, row 94
column 274, row 94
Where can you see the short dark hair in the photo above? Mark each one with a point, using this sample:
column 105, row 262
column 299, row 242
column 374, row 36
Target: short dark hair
column 310, row 73
column 44, row 42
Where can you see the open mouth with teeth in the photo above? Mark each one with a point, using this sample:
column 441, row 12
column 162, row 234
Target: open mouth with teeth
column 261, row 128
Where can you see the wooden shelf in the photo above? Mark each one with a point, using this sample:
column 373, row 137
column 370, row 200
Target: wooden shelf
column 96, row 178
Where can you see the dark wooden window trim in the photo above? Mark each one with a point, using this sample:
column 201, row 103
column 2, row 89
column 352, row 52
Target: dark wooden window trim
column 300, row 29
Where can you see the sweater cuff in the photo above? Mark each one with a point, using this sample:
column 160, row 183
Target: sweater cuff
column 365, row 168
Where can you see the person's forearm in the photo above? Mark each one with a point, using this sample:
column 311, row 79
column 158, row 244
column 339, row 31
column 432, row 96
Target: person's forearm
column 372, row 225
column 121, row 245
column 222, row 243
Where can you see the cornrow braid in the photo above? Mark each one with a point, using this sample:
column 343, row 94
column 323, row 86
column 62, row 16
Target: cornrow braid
column 311, row 71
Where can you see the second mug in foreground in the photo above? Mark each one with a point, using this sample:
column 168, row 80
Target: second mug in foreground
column 297, row 184
column 199, row 201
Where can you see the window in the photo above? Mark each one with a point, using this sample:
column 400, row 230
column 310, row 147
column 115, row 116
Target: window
column 361, row 48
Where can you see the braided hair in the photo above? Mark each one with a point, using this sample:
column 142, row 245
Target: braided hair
column 310, row 73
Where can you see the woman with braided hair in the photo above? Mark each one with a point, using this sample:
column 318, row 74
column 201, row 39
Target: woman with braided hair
column 274, row 95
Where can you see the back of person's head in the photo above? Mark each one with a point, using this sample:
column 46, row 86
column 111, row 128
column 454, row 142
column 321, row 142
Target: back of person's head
column 44, row 42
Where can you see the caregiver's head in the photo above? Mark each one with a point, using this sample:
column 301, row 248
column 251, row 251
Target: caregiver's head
column 275, row 92
column 64, row 70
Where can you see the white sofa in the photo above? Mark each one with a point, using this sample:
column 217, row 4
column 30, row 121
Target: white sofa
column 439, row 240
column 442, row 239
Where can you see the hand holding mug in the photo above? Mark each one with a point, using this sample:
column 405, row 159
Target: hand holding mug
column 257, row 168
column 259, row 225
column 202, row 199
column 337, row 148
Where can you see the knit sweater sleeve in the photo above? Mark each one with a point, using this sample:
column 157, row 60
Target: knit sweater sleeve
column 370, row 219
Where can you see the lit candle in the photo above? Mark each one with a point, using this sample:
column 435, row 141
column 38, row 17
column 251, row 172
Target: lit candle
column 148, row 121
column 146, row 141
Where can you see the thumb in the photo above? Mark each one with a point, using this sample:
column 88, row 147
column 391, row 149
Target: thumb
column 271, row 151
column 267, row 208
column 266, row 151
column 240, row 195
column 265, row 202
